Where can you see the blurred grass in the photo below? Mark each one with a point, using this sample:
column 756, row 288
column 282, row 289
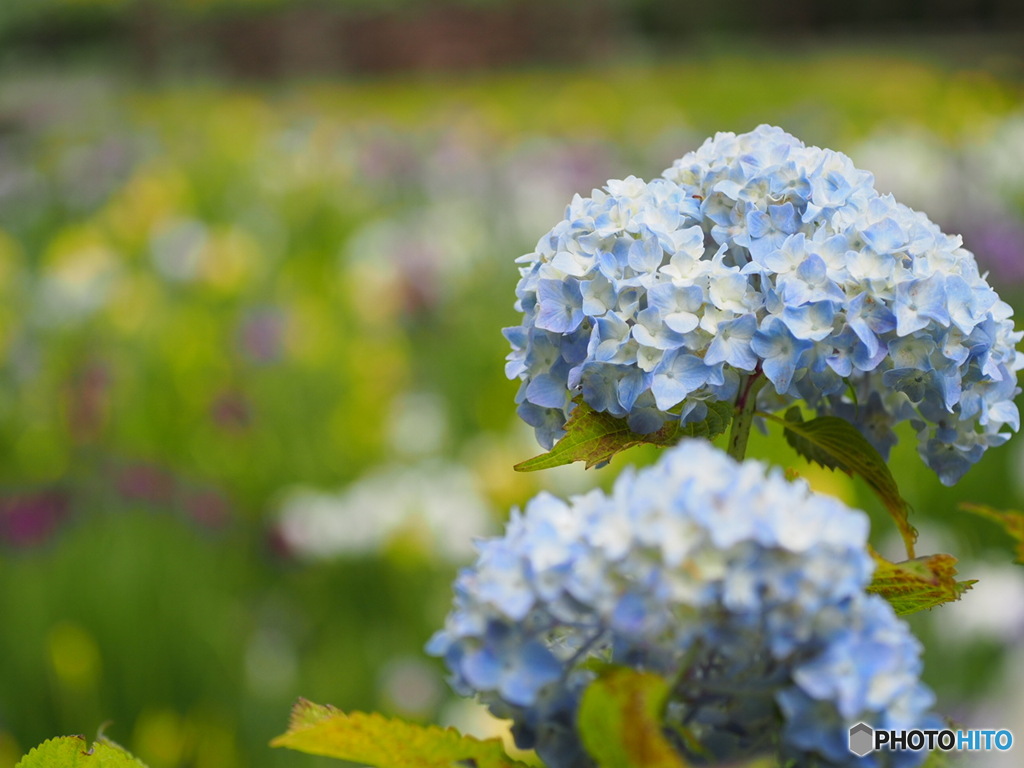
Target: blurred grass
column 213, row 294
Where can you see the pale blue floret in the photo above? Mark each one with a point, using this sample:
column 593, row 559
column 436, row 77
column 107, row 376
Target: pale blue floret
column 839, row 351
column 613, row 263
column 758, row 227
column 786, row 258
column 599, row 296
column 645, row 254
column 731, row 344
column 744, row 589
column 729, row 291
column 611, row 341
column 560, row 308
column 869, row 319
column 652, row 331
column 968, row 305
column 767, row 231
column 516, row 363
column 808, row 283
column 832, row 186
column 677, row 305
column 919, row 303
column 645, row 416
column 608, row 387
column 885, row 236
column 913, row 352
column 526, row 672
column 872, row 271
column 548, row 423
column 632, row 384
column 781, row 353
column 547, row 391
column 810, row 321
column 677, row 375
column 820, row 379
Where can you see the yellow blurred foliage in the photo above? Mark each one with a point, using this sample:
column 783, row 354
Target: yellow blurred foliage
column 11, row 255
column 310, row 330
column 156, row 192
column 161, row 737
column 79, row 266
column 9, row 749
column 135, row 299
column 829, row 483
column 74, row 656
column 42, row 454
column 230, row 259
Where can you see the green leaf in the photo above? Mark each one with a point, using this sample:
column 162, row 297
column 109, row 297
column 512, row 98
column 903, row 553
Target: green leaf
column 1011, row 521
column 594, row 437
column 620, row 719
column 834, row 443
column 74, row 751
column 372, row 739
column 913, row 585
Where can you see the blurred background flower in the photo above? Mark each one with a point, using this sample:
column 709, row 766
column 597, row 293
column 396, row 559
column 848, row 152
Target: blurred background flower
column 254, row 263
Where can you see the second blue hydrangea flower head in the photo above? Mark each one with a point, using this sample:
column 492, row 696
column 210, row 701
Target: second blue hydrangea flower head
column 745, row 590
column 757, row 255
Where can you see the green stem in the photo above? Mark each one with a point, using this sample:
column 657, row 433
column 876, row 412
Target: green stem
column 746, row 405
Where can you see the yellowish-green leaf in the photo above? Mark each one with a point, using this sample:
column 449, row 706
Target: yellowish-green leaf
column 914, row 585
column 834, row 443
column 620, row 721
column 306, row 714
column 594, row 437
column 75, row 752
column 1011, row 521
column 372, row 739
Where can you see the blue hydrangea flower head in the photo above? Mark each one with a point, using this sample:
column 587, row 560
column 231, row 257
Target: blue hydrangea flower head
column 744, row 589
column 758, row 256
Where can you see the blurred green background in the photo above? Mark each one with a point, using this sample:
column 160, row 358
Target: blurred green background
column 254, row 262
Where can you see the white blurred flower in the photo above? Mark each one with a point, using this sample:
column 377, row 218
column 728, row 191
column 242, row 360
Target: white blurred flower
column 912, row 165
column 437, row 502
column 418, row 424
column 994, row 608
column 80, row 275
column 176, row 247
column 412, row 686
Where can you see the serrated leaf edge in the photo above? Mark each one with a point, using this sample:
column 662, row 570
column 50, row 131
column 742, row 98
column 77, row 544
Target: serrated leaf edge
column 86, row 748
column 877, row 586
column 714, row 424
column 898, row 507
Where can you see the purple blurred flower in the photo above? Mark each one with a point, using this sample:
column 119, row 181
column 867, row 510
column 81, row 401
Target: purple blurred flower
column 29, row 519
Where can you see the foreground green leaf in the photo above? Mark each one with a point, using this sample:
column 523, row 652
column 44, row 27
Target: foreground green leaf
column 375, row 740
column 620, row 721
column 914, row 585
column 834, row 443
column 74, row 751
column 1011, row 521
column 594, row 437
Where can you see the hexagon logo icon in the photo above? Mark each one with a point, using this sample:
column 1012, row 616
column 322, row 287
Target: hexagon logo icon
column 862, row 739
